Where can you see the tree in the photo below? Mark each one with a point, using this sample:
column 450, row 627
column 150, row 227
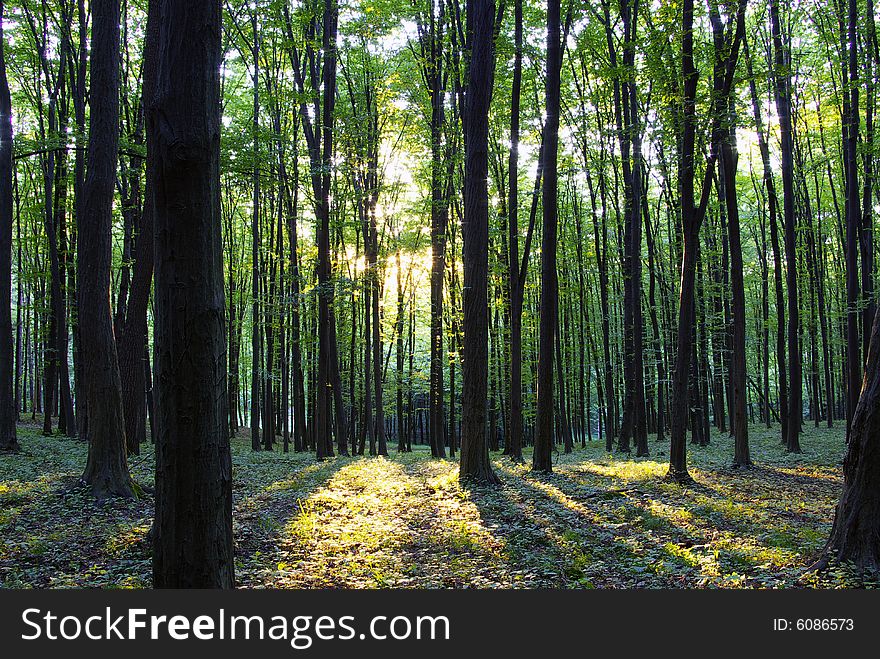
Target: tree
column 475, row 466
column 133, row 341
column 256, row 272
column 193, row 527
column 725, row 143
column 516, row 278
column 693, row 214
column 850, row 130
column 855, row 535
column 53, row 166
column 626, row 114
column 8, row 413
column 431, row 52
column 542, row 458
column 106, row 472
column 782, row 92
column 317, row 115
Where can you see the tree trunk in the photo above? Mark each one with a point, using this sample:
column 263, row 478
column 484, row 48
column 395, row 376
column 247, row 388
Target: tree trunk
column 542, row 456
column 432, row 50
column 853, row 217
column 131, row 339
column 107, row 469
column 475, row 466
column 193, row 526
column 855, row 535
column 773, row 212
column 782, row 90
column 8, row 413
column 726, row 144
column 256, row 328
column 513, row 443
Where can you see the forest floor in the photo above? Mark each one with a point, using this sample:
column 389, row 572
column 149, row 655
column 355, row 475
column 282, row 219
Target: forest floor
column 405, row 521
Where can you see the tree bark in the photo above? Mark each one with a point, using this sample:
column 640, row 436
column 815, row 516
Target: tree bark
column 853, row 214
column 8, row 412
column 855, row 535
column 782, row 89
column 106, row 471
column 542, row 456
column 514, row 441
column 193, row 526
column 475, row 466
column 726, row 144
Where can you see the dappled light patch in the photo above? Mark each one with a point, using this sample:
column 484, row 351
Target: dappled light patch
column 623, row 472
column 386, row 523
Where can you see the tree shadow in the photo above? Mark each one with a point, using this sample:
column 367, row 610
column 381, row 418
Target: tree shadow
column 584, row 544
column 699, row 528
column 261, row 517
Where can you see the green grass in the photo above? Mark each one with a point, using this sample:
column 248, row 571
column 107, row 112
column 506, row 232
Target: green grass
column 598, row 521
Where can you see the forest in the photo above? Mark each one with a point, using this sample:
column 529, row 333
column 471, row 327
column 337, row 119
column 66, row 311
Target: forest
column 439, row 294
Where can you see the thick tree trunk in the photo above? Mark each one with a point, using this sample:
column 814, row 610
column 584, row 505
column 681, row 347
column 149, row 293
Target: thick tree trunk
column 855, row 535
column 107, row 469
column 193, row 526
column 475, row 466
column 678, row 470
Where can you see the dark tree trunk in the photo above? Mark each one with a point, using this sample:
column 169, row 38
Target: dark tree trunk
column 78, row 87
column 773, row 213
column 853, row 214
column 632, row 425
column 256, row 327
column 131, row 358
column 678, row 470
column 132, row 369
column 107, row 469
column 475, row 466
column 692, row 217
column 431, row 44
column 193, row 526
column 542, row 457
column 855, row 535
column 513, row 442
column 782, row 90
column 866, row 242
column 8, row 412
column 297, row 380
column 726, row 144
column 382, row 445
column 401, row 439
